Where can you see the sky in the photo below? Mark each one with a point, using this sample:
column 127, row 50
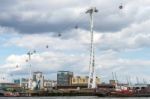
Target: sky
column 121, row 38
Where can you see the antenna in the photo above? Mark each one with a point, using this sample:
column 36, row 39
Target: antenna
column 113, row 76
column 144, row 81
column 137, row 79
column 127, row 80
column 116, row 77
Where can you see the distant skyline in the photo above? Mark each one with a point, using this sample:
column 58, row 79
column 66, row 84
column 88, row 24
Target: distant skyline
column 122, row 37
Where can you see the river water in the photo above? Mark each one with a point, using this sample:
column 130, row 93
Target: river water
column 75, row 97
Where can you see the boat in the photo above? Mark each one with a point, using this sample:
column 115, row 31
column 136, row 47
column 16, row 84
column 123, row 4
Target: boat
column 123, row 93
column 11, row 94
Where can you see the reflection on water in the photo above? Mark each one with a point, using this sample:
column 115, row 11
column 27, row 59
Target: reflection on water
column 75, row 97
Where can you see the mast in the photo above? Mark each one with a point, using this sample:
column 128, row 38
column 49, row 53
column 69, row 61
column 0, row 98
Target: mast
column 29, row 58
column 137, row 79
column 92, row 77
column 113, row 78
column 30, row 71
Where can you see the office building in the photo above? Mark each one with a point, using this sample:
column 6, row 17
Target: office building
column 64, row 78
column 38, row 80
column 49, row 84
column 23, row 82
column 83, row 80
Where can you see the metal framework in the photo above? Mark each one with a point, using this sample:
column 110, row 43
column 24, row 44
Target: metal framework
column 30, row 71
column 92, row 77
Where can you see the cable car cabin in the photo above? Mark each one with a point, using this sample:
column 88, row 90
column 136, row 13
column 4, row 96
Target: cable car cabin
column 121, row 6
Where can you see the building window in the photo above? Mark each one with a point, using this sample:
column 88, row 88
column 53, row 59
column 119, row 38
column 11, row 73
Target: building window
column 83, row 80
column 74, row 80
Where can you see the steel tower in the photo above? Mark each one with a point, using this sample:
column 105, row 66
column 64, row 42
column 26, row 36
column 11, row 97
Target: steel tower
column 30, row 71
column 92, row 77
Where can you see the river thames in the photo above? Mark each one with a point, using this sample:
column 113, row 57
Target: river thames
column 75, row 97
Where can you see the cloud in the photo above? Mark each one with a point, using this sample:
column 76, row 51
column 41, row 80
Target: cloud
column 39, row 17
column 66, row 52
column 37, row 24
column 30, row 16
column 50, row 62
column 7, row 30
column 41, row 41
column 134, row 37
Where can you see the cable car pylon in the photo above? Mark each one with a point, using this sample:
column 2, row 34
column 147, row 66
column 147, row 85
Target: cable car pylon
column 92, row 77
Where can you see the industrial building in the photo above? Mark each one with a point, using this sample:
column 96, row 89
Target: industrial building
column 38, row 82
column 23, row 82
column 10, row 87
column 49, row 84
column 83, row 80
column 64, row 78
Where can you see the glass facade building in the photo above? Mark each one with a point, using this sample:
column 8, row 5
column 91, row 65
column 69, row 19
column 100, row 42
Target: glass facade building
column 64, row 78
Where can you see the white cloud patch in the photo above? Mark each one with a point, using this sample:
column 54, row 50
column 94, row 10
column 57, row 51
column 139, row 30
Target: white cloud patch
column 116, row 31
column 6, row 30
column 51, row 62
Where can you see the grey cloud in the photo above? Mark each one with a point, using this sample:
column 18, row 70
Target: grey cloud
column 52, row 17
column 128, row 25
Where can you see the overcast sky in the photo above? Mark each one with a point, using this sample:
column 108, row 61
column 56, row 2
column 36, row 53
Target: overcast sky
column 121, row 38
